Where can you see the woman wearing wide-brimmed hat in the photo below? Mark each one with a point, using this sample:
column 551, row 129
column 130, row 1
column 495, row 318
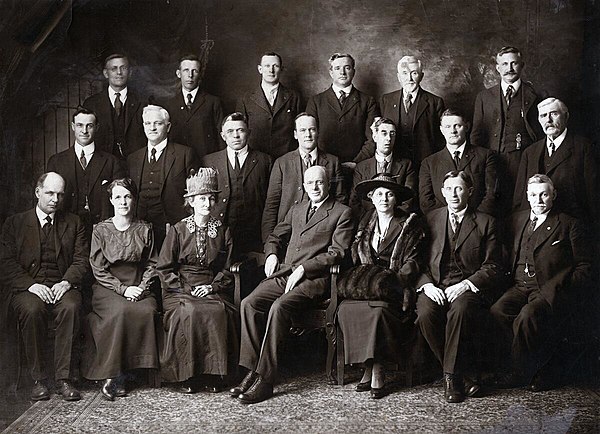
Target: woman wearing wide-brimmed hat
column 200, row 344
column 377, row 312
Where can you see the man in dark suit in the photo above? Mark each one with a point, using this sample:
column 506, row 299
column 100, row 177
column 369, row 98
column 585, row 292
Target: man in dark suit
column 568, row 159
column 458, row 154
column 87, row 171
column 459, row 285
column 384, row 161
column 314, row 235
column 285, row 184
column 550, row 260
column 118, row 110
column 160, row 171
column 271, row 109
column 195, row 114
column 345, row 114
column 45, row 257
column 243, row 176
column 504, row 120
column 415, row 111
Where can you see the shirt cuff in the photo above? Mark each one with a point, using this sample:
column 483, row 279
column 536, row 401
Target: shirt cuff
column 425, row 285
column 472, row 287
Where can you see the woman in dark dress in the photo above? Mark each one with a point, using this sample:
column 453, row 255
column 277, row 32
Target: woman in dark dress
column 200, row 330
column 121, row 329
column 376, row 315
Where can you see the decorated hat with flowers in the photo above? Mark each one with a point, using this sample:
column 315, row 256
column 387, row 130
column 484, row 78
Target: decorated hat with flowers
column 202, row 181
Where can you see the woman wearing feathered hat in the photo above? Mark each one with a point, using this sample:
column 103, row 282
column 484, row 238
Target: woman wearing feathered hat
column 377, row 312
column 199, row 322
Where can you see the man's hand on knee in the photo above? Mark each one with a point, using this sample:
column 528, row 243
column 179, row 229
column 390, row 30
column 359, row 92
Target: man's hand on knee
column 294, row 278
column 59, row 289
column 434, row 293
column 43, row 292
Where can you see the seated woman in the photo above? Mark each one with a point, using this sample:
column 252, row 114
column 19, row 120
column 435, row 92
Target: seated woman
column 376, row 315
column 121, row 329
column 199, row 321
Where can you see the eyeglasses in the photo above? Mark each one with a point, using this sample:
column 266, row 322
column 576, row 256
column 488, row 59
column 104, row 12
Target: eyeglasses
column 318, row 182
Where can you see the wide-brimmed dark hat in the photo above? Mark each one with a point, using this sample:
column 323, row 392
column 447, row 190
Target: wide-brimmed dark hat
column 386, row 180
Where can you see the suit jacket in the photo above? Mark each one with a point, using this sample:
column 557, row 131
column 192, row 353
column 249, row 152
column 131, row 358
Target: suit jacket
column 134, row 126
column 102, row 169
column 286, row 189
column 21, row 252
column 272, row 131
column 562, row 256
column 198, row 128
column 478, row 162
column 179, row 160
column 426, row 129
column 343, row 132
column 405, row 174
column 574, row 172
column 488, row 121
column 316, row 245
column 477, row 250
column 255, row 183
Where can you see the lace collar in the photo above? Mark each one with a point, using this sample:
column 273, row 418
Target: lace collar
column 212, row 226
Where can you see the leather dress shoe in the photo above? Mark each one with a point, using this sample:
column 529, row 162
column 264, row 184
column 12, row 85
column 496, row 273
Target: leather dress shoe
column 472, row 388
column 378, row 393
column 453, row 388
column 248, row 381
column 260, row 391
column 541, row 383
column 186, row 387
column 39, row 392
column 363, row 387
column 120, row 390
column 108, row 389
column 67, row 390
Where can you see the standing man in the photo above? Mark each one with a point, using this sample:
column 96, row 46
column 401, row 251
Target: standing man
column 344, row 113
column 504, row 120
column 285, row 184
column 119, row 110
column 271, row 109
column 313, row 236
column 568, row 159
column 384, row 161
column 415, row 111
column 458, row 154
column 243, row 176
column 87, row 171
column 195, row 114
column 160, row 171
column 45, row 258
column 550, row 260
column 459, row 285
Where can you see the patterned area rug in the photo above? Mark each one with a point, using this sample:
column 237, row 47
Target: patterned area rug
column 307, row 404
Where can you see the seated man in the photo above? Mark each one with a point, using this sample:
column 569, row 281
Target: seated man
column 45, row 258
column 317, row 234
column 551, row 269
column 459, row 285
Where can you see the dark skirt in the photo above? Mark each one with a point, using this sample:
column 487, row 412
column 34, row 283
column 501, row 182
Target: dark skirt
column 119, row 335
column 200, row 337
column 373, row 330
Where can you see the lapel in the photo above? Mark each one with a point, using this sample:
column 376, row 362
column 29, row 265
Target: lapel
column 398, row 105
column 393, row 230
column 521, row 223
column 282, row 96
column 422, row 104
column 563, row 153
column 136, row 164
column 467, row 156
column 351, row 101
column 60, row 226
column 320, row 215
column 332, row 100
column 438, row 234
column 497, row 97
column 249, row 164
column 258, row 97
column 466, row 227
column 198, row 102
column 95, row 167
column 169, row 155
column 547, row 228
column 321, row 160
column 529, row 97
column 32, row 240
column 132, row 104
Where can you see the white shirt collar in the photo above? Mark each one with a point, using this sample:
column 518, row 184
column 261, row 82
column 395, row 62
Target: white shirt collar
column 193, row 92
column 558, row 141
column 318, row 204
column 516, row 86
column 267, row 87
column 413, row 93
column 242, row 154
column 112, row 93
column 337, row 89
column 381, row 158
column 159, row 149
column 459, row 214
column 541, row 218
column 313, row 155
column 41, row 215
column 87, row 150
column 460, row 149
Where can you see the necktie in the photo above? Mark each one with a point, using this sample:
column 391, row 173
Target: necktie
column 307, row 161
column 47, row 226
column 531, row 226
column 153, row 156
column 509, row 94
column 272, row 95
column 311, row 213
column 407, row 102
column 236, row 166
column 454, row 222
column 383, row 166
column 551, row 148
column 457, row 159
column 118, row 104
column 342, row 98
column 82, row 160
column 189, row 101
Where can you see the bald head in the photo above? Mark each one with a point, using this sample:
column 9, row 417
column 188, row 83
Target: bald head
column 316, row 183
column 50, row 192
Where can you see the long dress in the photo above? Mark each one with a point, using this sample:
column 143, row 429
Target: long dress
column 374, row 329
column 200, row 332
column 121, row 334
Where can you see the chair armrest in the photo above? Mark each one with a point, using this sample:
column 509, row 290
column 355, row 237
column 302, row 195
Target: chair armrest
column 334, row 270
